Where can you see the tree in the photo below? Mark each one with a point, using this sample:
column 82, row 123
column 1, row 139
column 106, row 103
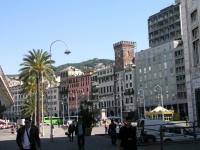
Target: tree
column 29, row 105
column 34, row 64
column 86, row 114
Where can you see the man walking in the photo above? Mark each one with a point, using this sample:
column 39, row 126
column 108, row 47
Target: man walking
column 71, row 130
column 80, row 132
column 112, row 132
column 127, row 136
column 28, row 136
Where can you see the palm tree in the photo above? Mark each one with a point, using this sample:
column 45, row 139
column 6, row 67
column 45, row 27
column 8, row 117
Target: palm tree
column 29, row 105
column 34, row 64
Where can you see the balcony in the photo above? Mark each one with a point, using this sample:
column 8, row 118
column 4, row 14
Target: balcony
column 129, row 91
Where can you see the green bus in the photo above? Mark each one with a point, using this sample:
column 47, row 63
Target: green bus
column 54, row 120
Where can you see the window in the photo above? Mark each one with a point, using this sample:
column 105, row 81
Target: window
column 170, row 47
column 166, row 81
column 149, row 53
column 150, row 76
column 165, row 65
column 172, row 80
column 126, row 77
column 145, row 84
column 154, row 59
column 194, row 16
column 164, row 48
column 160, row 74
column 158, row 50
column 170, row 55
column 131, row 85
column 145, row 77
column 159, row 58
column 154, row 75
column 149, row 68
column 145, row 70
column 165, row 56
column 140, row 63
column 140, row 70
column 153, row 51
column 140, row 78
column 130, row 76
column 196, row 52
column 195, row 34
column 154, row 67
column 160, row 66
column 171, row 71
column 150, row 83
column 149, row 60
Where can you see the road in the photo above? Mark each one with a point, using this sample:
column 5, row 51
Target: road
column 94, row 142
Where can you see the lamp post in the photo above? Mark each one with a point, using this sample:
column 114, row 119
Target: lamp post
column 139, row 92
column 62, row 102
column 139, row 112
column 42, row 108
column 66, row 52
column 161, row 98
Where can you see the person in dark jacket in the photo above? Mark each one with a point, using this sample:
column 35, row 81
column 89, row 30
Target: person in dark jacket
column 71, row 130
column 127, row 136
column 80, row 133
column 112, row 132
column 28, row 136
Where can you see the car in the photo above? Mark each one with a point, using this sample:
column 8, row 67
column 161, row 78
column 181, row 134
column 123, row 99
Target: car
column 177, row 133
column 45, row 124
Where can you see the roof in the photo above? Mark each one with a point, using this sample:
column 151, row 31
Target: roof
column 159, row 108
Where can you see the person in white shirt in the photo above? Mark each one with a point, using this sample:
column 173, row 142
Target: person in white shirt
column 28, row 136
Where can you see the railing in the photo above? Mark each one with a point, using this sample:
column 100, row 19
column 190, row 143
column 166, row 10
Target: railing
column 166, row 133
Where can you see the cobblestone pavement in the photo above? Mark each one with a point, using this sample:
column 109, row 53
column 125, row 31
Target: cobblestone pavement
column 93, row 142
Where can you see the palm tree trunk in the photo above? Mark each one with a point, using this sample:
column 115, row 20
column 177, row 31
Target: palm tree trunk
column 38, row 102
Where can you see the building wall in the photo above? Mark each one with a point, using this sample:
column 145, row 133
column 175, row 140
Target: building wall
column 157, row 66
column 191, row 56
column 165, row 25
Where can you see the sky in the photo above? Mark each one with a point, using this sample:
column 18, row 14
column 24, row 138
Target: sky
column 88, row 27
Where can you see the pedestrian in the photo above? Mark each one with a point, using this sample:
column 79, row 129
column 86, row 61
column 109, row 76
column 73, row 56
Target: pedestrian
column 28, row 137
column 106, row 127
column 127, row 136
column 71, row 130
column 80, row 133
column 52, row 126
column 112, row 132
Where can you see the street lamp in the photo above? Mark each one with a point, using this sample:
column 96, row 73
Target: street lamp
column 139, row 111
column 42, row 108
column 139, row 92
column 161, row 97
column 66, row 52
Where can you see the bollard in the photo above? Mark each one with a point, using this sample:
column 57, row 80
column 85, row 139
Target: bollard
column 161, row 138
column 194, row 130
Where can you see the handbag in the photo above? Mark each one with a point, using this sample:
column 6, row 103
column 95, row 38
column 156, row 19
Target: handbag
column 66, row 133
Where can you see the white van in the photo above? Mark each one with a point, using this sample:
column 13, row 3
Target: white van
column 149, row 129
column 177, row 133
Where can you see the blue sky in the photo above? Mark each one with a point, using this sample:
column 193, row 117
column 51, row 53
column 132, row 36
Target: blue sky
column 89, row 27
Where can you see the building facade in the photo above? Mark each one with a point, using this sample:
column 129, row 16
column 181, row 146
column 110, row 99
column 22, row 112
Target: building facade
column 165, row 25
column 191, row 25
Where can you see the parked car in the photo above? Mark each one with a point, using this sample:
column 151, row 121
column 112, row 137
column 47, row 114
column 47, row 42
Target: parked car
column 177, row 133
column 45, row 124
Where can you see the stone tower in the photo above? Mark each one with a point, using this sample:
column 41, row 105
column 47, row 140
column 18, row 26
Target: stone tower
column 124, row 54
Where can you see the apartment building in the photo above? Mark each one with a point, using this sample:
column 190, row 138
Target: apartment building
column 105, row 78
column 165, row 25
column 191, row 26
column 162, row 65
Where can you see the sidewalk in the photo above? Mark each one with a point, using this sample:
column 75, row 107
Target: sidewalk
column 93, row 142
